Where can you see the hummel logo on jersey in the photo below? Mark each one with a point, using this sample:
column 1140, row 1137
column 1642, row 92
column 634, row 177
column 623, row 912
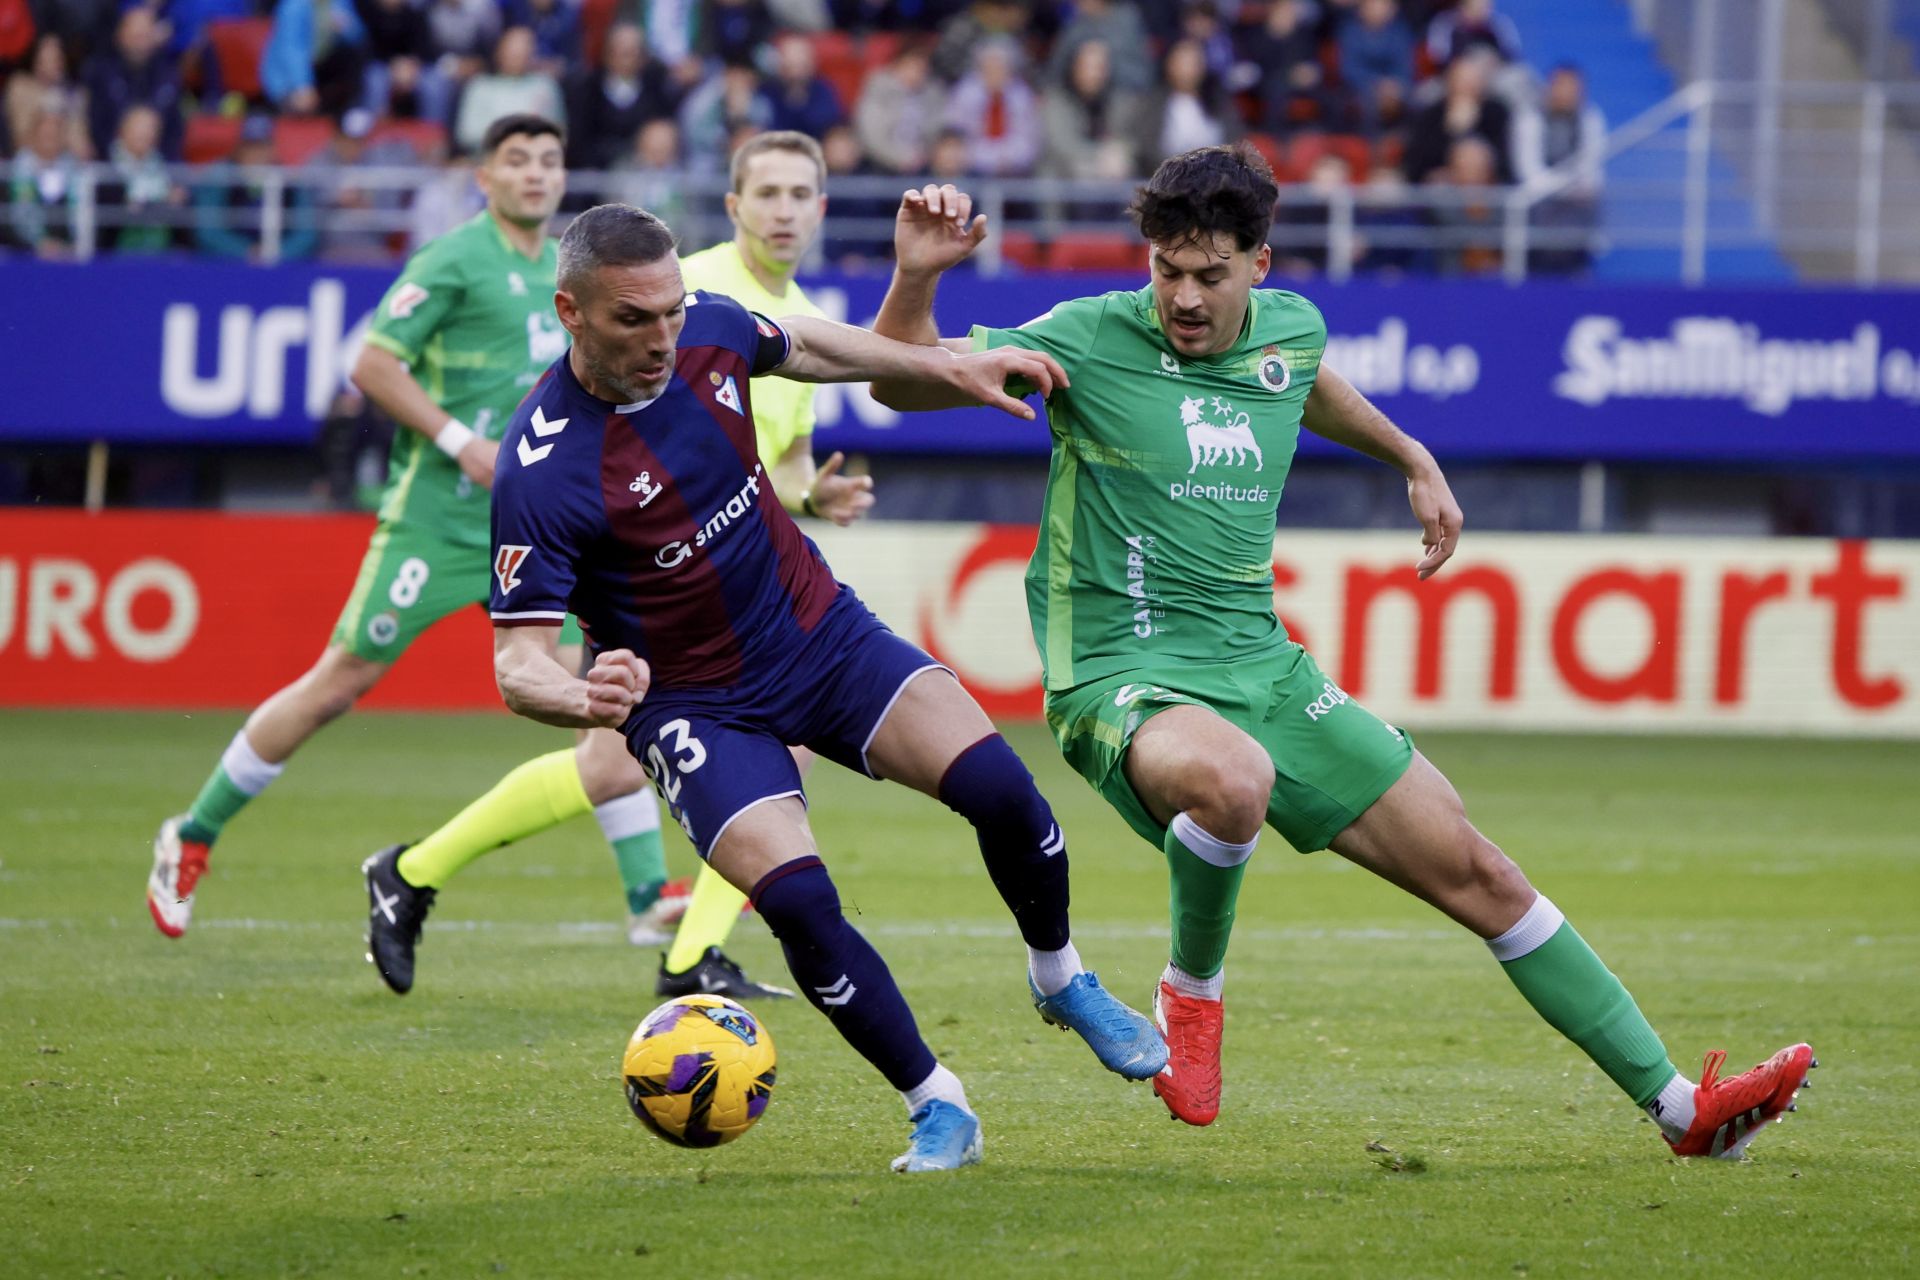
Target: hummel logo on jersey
column 506, row 566
column 541, row 427
column 839, row 993
column 405, row 299
column 644, row 486
column 1228, row 438
column 1054, row 842
column 385, row 902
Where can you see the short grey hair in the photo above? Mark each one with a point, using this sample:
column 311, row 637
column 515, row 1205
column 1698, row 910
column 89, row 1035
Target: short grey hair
column 610, row 235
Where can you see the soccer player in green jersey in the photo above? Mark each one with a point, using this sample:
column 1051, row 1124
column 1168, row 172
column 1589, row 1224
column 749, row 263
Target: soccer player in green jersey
column 455, row 344
column 1173, row 688
column 776, row 207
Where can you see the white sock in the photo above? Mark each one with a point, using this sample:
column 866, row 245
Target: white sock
column 940, row 1083
column 1053, row 970
column 1188, row 985
column 1673, row 1109
column 1208, row 847
column 1529, row 933
column 244, row 767
column 634, row 814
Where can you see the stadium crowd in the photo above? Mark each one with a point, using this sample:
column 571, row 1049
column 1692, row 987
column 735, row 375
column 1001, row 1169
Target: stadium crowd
column 1371, row 96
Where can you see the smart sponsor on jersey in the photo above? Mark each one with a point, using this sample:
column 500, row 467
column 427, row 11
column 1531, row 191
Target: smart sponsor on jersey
column 676, row 553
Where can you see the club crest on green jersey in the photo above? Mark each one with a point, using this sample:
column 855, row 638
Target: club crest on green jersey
column 1274, row 372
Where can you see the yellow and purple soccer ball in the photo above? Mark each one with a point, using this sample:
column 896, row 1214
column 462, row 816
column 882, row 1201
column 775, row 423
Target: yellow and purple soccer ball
column 699, row 1071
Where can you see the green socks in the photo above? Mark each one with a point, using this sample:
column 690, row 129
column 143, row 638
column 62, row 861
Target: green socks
column 1580, row 998
column 239, row 777
column 1206, row 874
column 631, row 824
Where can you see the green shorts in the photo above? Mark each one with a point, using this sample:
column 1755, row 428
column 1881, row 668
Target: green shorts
column 408, row 581
column 1332, row 758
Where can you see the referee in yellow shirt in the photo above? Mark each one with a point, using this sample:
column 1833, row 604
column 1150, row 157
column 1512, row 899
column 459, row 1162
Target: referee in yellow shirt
column 776, row 207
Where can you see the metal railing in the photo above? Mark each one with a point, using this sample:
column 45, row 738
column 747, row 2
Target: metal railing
column 377, row 214
column 1817, row 172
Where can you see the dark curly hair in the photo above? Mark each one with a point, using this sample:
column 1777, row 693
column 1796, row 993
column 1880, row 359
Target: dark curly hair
column 1204, row 192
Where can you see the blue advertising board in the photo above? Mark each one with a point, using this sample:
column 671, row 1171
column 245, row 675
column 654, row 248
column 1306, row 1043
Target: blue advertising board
column 195, row 352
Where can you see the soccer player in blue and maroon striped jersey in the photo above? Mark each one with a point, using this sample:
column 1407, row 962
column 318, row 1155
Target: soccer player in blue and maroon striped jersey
column 630, row 493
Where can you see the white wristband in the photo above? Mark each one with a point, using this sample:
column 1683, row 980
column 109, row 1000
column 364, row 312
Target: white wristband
column 452, row 437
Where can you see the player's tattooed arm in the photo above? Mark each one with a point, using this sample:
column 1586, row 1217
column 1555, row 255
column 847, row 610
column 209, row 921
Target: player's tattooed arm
column 905, row 376
column 388, row 382
column 534, row 684
column 1336, row 410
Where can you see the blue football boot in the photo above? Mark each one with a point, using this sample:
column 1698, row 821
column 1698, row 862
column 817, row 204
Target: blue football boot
column 944, row 1137
column 1124, row 1041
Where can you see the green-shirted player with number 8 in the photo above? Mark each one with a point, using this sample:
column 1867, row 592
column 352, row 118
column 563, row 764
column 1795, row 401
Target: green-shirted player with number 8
column 454, row 346
column 1171, row 685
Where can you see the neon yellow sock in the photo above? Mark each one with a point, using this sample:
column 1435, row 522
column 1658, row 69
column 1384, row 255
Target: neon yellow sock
column 711, row 913
column 544, row 792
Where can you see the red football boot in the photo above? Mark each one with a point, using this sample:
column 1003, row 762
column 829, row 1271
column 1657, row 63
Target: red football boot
column 1190, row 1085
column 1728, row 1113
column 177, row 867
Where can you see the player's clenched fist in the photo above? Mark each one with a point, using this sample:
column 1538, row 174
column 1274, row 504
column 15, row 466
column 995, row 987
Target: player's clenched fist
column 618, row 680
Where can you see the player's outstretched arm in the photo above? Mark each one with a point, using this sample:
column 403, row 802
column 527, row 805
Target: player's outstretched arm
column 388, row 382
column 915, row 377
column 1336, row 410
column 534, row 684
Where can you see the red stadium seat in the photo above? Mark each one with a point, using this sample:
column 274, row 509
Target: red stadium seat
column 1273, row 151
column 427, row 138
column 210, row 139
column 1309, row 148
column 879, row 48
column 238, row 45
column 839, row 63
column 1097, row 251
column 298, row 139
column 1022, row 250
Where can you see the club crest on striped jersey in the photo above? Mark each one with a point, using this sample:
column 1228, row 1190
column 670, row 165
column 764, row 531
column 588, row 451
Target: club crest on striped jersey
column 506, row 565
column 729, row 392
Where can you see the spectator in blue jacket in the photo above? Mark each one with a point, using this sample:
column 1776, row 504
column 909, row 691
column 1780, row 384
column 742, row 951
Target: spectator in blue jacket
column 1474, row 25
column 315, row 58
column 135, row 70
column 556, row 32
column 798, row 98
column 1376, row 61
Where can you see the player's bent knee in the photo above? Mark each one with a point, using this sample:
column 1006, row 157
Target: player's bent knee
column 799, row 903
column 1234, row 792
column 989, row 785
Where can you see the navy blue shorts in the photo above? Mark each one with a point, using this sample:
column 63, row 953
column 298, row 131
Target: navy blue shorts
column 715, row 753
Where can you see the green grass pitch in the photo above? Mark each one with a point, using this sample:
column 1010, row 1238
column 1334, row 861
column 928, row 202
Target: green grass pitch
column 251, row 1101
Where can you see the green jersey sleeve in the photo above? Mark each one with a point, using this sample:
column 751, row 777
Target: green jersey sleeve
column 430, row 286
column 1066, row 333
